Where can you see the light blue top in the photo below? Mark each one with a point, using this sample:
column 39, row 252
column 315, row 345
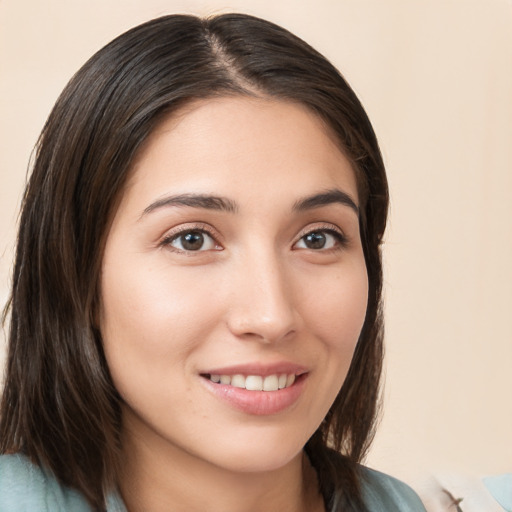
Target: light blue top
column 24, row 487
column 500, row 487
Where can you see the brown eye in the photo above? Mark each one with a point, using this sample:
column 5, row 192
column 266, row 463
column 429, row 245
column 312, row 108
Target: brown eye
column 321, row 239
column 315, row 240
column 194, row 240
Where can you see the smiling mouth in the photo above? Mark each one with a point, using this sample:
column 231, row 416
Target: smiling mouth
column 273, row 382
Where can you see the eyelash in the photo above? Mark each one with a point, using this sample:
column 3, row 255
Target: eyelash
column 328, row 229
column 198, row 228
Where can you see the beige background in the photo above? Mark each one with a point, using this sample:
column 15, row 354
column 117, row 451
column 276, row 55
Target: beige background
column 436, row 79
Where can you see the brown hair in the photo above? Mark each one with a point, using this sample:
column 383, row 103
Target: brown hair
column 59, row 406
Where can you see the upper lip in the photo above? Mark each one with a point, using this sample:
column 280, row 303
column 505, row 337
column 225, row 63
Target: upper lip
column 258, row 369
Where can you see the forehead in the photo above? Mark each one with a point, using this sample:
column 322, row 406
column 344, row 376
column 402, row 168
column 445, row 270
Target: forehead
column 234, row 145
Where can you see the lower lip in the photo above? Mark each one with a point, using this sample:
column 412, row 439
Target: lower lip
column 258, row 403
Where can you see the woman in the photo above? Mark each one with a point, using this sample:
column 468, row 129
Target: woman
column 196, row 307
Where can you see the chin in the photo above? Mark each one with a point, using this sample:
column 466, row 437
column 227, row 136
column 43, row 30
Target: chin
column 260, row 453
column 262, row 462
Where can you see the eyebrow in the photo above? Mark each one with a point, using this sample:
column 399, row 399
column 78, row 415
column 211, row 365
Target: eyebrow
column 325, row 198
column 207, row 202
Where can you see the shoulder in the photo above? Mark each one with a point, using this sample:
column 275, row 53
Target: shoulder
column 25, row 487
column 383, row 493
column 380, row 492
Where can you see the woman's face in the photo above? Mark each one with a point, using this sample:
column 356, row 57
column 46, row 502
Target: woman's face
column 234, row 255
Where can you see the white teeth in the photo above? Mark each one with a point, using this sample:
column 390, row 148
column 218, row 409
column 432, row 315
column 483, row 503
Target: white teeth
column 256, row 382
column 225, row 379
column 290, row 380
column 238, row 381
column 271, row 383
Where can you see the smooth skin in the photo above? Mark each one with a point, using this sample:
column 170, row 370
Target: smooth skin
column 261, row 274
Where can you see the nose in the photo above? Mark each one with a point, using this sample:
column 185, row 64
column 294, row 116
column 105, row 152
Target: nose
column 262, row 301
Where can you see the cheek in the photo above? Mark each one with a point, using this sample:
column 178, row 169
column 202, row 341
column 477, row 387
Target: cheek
column 339, row 308
column 149, row 322
column 151, row 306
column 147, row 335
column 336, row 316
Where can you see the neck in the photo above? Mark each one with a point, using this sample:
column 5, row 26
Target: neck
column 157, row 477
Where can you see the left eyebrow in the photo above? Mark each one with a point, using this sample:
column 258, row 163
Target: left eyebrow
column 325, row 198
column 203, row 201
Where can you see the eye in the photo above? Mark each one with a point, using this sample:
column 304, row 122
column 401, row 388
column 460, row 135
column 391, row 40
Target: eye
column 321, row 239
column 194, row 240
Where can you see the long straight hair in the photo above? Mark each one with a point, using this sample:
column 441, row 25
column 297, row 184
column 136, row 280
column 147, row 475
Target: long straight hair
column 59, row 405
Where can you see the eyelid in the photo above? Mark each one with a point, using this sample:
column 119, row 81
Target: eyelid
column 327, row 227
column 182, row 229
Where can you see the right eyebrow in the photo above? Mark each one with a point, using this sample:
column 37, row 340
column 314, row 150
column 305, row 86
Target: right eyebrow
column 204, row 201
column 331, row 196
